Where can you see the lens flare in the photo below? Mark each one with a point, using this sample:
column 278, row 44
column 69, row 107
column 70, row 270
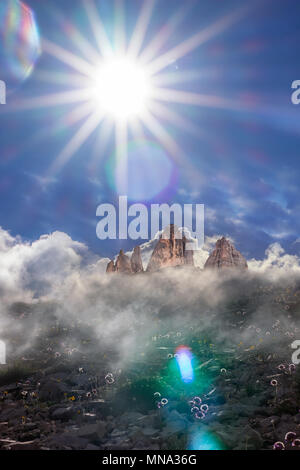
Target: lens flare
column 202, row 440
column 123, row 80
column 150, row 171
column 184, row 361
column 20, row 40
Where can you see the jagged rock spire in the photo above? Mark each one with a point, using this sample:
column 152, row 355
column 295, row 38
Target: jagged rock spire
column 110, row 267
column 123, row 264
column 136, row 260
column 225, row 255
column 170, row 251
column 126, row 265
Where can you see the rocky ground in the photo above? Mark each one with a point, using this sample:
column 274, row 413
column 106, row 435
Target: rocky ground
column 245, row 394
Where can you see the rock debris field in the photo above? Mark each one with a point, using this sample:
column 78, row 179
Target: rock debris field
column 81, row 382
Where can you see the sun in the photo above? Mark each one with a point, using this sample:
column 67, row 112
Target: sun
column 122, row 88
column 125, row 85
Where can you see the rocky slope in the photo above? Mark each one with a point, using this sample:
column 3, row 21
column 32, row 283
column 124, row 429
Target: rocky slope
column 59, row 395
column 170, row 251
column 126, row 265
column 66, row 406
column 225, row 255
column 123, row 264
column 136, row 261
column 110, row 267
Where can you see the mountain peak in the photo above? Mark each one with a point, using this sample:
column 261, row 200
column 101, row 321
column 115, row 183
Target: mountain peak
column 170, row 251
column 225, row 255
column 127, row 265
column 136, row 260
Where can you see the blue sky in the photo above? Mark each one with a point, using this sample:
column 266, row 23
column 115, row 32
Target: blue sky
column 242, row 162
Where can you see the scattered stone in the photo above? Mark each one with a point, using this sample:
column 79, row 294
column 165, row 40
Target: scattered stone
column 64, row 413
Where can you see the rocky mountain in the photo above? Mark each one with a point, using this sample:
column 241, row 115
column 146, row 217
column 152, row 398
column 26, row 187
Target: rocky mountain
column 127, row 265
column 111, row 267
column 170, row 251
column 123, row 264
column 225, row 255
column 136, row 261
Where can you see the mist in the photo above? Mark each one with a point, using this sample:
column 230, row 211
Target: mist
column 56, row 281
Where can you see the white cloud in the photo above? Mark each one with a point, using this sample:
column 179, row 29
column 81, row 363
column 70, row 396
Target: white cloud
column 276, row 262
column 31, row 270
column 6, row 240
column 55, row 266
column 43, row 181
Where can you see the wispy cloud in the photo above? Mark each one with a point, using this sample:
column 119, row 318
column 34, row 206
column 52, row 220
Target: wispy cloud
column 42, row 181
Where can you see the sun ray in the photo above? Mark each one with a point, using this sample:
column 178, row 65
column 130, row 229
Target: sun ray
column 59, row 78
column 171, row 146
column 194, row 99
column 76, row 37
column 51, row 100
column 162, row 36
column 60, row 125
column 173, row 78
column 82, row 44
column 97, row 99
column 121, row 157
column 137, row 129
column 75, row 115
column 120, row 31
column 98, row 29
column 77, row 63
column 140, row 30
column 163, row 136
column 101, row 143
column 76, row 142
column 165, row 113
column 196, row 40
